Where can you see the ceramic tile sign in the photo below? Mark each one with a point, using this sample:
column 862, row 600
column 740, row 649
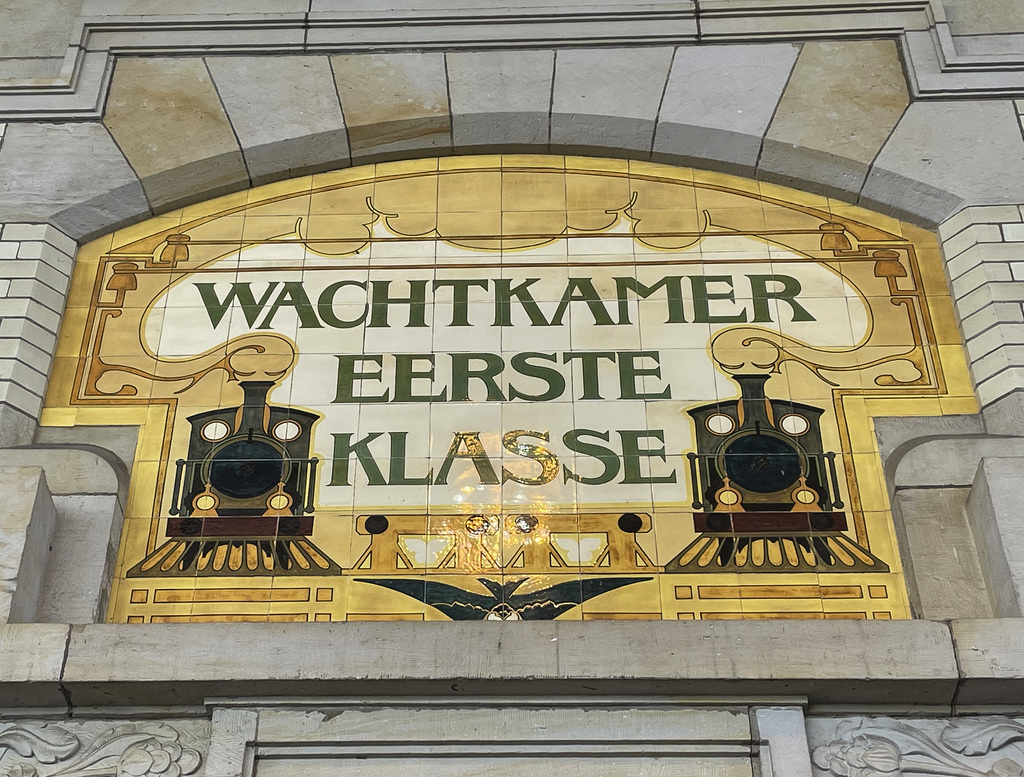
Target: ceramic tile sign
column 508, row 388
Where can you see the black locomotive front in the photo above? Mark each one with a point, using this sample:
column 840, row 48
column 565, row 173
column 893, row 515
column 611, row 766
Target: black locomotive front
column 766, row 493
column 760, row 465
column 248, row 471
column 242, row 502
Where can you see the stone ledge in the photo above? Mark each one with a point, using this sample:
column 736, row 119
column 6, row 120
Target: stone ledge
column 990, row 654
column 836, row 662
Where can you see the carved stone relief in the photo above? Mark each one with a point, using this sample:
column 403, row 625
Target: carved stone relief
column 885, row 747
column 100, row 749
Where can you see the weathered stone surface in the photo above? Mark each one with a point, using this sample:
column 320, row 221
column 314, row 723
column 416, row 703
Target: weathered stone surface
column 984, row 17
column 394, row 103
column 82, row 559
column 990, row 654
column 940, row 560
column 77, row 470
column 870, row 662
column 26, row 32
column 31, row 656
column 607, row 99
column 27, row 518
column 951, row 462
column 500, row 99
column 71, row 175
column 718, row 102
column 994, row 507
column 944, row 155
column 167, row 118
column 782, row 729
column 285, row 112
column 839, row 107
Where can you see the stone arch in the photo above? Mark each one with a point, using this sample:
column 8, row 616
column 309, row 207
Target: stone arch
column 182, row 130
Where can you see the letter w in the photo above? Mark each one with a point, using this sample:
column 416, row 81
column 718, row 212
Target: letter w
column 216, row 308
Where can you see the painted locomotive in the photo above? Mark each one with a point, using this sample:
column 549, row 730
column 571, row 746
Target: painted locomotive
column 766, row 494
column 242, row 501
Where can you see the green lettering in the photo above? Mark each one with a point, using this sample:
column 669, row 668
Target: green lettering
column 504, row 291
column 591, row 377
column 632, row 453
column 606, row 456
column 216, row 309
column 582, row 290
column 629, row 371
column 405, row 375
column 462, row 373
column 396, row 473
column 460, row 296
column 554, row 379
column 347, row 377
column 790, row 288
column 325, row 306
column 474, row 450
column 702, row 298
column 673, row 285
column 381, row 301
column 292, row 295
column 343, row 450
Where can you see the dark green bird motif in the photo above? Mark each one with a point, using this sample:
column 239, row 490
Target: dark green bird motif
column 503, row 603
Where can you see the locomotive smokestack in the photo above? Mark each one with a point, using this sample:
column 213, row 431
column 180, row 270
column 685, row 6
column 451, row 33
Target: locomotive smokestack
column 253, row 413
column 753, row 405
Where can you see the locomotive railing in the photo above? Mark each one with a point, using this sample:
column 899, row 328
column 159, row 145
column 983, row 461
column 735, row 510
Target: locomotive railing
column 820, row 467
column 188, row 473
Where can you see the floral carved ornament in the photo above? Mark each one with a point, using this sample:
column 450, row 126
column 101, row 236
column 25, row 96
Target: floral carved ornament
column 883, row 747
column 147, row 749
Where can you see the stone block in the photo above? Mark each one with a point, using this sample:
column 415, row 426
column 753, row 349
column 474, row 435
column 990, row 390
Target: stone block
column 83, row 559
column 718, row 103
column 998, row 387
column 28, row 33
column 990, row 654
column 31, row 657
column 994, row 510
column 394, row 104
column 950, row 462
column 984, row 17
column 17, row 427
column 994, row 338
column 71, row 175
column 939, row 557
column 989, row 272
column 994, row 214
column 607, row 99
column 869, row 662
column 842, row 101
column 44, row 232
column 974, row 234
column 823, row 660
column 997, row 361
column 782, row 730
column 27, row 518
column 286, row 114
column 980, row 254
column 21, row 398
column 500, row 99
column 169, row 121
column 944, row 154
column 1005, row 415
column 78, row 470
